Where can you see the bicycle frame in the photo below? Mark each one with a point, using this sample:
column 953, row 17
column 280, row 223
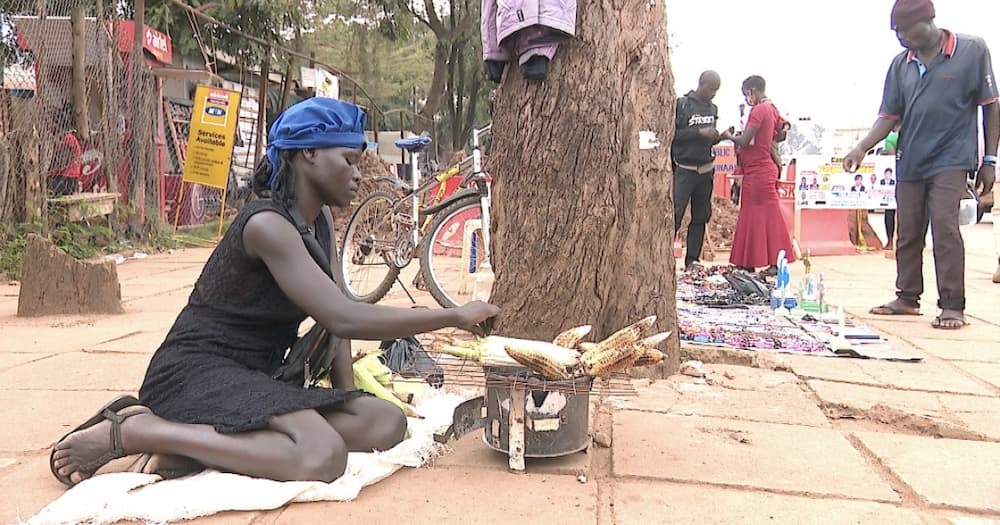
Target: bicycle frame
column 414, row 190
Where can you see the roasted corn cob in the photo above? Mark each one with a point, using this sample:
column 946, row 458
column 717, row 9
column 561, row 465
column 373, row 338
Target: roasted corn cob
column 538, row 361
column 599, row 362
column 627, row 335
column 492, row 350
column 570, row 338
column 649, row 357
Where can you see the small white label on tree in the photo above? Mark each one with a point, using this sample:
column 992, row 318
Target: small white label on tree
column 648, row 140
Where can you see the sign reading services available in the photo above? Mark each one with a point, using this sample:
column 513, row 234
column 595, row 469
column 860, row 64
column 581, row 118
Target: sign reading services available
column 211, row 137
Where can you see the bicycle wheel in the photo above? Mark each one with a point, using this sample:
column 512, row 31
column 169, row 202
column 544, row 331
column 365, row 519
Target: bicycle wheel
column 367, row 248
column 448, row 278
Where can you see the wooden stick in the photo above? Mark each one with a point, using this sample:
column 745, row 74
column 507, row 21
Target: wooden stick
column 222, row 208
column 515, row 440
column 178, row 204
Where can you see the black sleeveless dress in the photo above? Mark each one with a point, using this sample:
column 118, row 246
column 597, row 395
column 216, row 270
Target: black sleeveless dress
column 216, row 363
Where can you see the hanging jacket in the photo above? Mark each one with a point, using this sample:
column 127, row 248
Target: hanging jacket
column 515, row 15
column 692, row 113
column 550, row 21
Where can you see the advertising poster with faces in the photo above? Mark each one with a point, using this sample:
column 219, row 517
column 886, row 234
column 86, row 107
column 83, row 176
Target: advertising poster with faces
column 822, row 183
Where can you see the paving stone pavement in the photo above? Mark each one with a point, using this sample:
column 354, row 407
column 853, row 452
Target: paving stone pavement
column 823, row 441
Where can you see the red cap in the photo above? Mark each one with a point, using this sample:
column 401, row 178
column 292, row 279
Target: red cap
column 905, row 13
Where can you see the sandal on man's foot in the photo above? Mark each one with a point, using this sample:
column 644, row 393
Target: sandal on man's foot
column 949, row 320
column 107, row 412
column 896, row 307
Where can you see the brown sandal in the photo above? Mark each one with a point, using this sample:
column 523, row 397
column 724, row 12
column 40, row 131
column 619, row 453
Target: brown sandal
column 166, row 466
column 110, row 413
column 946, row 316
column 896, row 307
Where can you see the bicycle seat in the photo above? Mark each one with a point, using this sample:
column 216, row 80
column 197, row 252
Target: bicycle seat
column 413, row 144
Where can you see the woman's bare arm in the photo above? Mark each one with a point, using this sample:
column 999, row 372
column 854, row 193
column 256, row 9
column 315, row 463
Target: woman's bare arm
column 271, row 238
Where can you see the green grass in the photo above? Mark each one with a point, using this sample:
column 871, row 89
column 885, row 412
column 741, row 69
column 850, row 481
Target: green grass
column 84, row 240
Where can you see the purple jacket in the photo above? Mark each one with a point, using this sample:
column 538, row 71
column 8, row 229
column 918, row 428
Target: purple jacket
column 502, row 19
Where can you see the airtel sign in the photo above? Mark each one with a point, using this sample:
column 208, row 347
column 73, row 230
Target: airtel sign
column 158, row 44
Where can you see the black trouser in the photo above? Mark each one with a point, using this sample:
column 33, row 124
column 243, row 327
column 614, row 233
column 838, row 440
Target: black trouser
column 890, row 228
column 931, row 201
column 695, row 187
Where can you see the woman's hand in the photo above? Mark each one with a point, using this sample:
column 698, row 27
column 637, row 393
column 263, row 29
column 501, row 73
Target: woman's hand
column 471, row 314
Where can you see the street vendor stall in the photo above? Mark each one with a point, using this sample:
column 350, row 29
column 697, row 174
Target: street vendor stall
column 723, row 306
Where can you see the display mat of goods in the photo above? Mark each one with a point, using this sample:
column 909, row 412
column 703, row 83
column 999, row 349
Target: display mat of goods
column 722, row 285
column 724, row 306
column 750, row 328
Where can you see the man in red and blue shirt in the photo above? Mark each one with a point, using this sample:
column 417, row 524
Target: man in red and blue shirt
column 934, row 90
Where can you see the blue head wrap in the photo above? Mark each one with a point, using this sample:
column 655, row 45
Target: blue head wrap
column 315, row 123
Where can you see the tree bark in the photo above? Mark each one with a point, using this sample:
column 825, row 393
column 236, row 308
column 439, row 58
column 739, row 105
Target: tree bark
column 81, row 115
column 582, row 229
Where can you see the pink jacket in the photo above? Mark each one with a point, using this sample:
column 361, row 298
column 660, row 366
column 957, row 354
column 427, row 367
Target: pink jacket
column 502, row 19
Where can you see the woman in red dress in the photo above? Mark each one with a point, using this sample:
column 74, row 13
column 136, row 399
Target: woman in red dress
column 761, row 231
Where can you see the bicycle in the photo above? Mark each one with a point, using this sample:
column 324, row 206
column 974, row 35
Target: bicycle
column 387, row 231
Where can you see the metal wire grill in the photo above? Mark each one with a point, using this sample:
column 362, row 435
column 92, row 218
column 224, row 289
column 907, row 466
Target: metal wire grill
column 466, row 373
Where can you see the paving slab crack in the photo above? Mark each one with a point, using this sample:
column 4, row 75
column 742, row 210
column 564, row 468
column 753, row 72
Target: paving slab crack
column 754, row 488
column 892, row 387
column 892, row 419
column 119, row 338
column 157, row 294
column 908, row 497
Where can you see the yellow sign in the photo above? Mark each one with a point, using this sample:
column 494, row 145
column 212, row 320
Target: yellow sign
column 211, row 137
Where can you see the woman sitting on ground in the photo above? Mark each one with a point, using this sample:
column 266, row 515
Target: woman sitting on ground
column 208, row 398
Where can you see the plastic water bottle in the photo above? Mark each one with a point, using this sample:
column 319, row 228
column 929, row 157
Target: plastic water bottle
column 472, row 254
column 482, row 287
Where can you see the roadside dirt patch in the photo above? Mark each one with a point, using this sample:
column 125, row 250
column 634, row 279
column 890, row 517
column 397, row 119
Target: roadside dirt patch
column 896, row 420
column 719, row 232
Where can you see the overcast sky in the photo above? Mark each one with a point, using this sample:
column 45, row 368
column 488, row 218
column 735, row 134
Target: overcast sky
column 826, row 60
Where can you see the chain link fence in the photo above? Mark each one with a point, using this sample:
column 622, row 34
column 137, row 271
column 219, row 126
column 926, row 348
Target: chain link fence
column 95, row 115
column 78, row 115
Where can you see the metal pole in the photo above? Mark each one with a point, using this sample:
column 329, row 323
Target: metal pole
column 137, row 167
column 265, row 73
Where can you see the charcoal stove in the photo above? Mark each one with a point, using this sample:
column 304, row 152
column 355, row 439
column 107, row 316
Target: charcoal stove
column 527, row 416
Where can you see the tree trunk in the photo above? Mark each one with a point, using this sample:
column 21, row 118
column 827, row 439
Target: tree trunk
column 437, row 90
column 582, row 230
column 81, row 113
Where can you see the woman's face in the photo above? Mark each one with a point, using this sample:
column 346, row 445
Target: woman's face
column 335, row 174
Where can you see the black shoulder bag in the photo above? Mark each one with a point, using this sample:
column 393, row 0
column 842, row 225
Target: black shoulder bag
column 311, row 357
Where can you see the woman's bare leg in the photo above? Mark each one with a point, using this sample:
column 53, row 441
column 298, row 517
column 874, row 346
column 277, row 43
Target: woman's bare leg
column 368, row 423
column 300, row 446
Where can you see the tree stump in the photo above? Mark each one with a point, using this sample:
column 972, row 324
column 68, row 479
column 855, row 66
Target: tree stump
column 583, row 213
column 53, row 282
